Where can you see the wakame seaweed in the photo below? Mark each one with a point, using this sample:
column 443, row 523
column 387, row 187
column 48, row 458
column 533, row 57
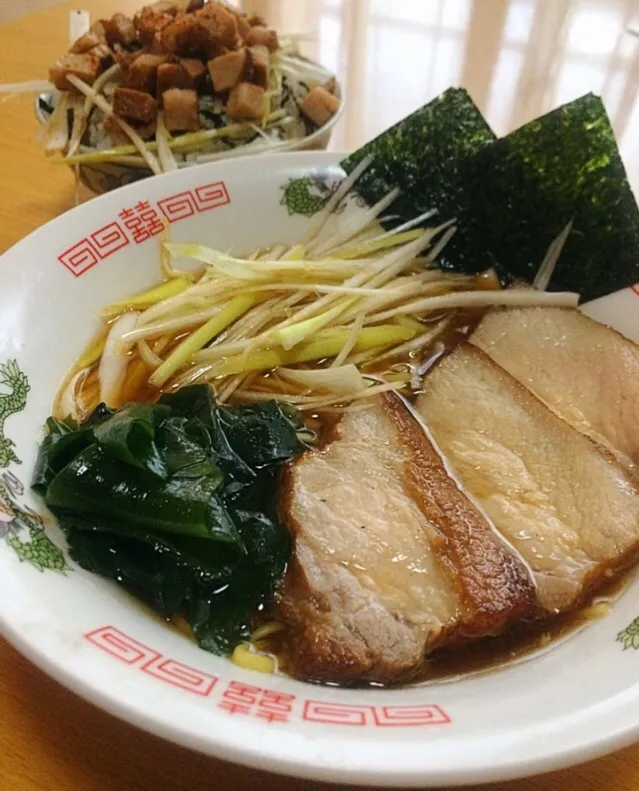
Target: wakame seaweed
column 511, row 197
column 175, row 501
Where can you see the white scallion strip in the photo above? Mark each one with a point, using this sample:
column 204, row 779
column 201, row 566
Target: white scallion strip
column 261, row 133
column 146, row 298
column 68, row 399
column 106, row 108
column 347, row 348
column 261, row 317
column 370, row 245
column 201, row 295
column 407, row 226
column 231, row 386
column 83, row 115
column 340, row 193
column 342, row 379
column 239, row 151
column 114, row 359
column 481, row 299
column 226, row 264
column 429, row 336
column 231, row 312
column 148, row 355
column 57, row 129
column 355, row 225
column 168, row 269
column 268, row 269
column 319, row 288
column 290, row 336
column 394, row 294
column 441, row 243
column 374, row 276
column 165, row 155
column 170, row 325
column 181, row 143
column 542, row 278
column 310, row 403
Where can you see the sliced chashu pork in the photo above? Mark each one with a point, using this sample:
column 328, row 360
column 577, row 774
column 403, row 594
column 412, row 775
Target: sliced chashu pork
column 568, row 506
column 584, row 371
column 390, row 559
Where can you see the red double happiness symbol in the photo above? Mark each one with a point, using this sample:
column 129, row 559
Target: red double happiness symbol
column 428, row 714
column 210, row 196
column 79, row 258
column 141, row 223
column 178, row 207
column 180, row 675
column 121, row 646
column 132, row 652
column 99, row 245
column 109, row 239
column 186, row 204
column 350, row 714
column 336, row 713
column 269, row 705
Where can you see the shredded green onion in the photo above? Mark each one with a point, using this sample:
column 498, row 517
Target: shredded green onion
column 220, row 321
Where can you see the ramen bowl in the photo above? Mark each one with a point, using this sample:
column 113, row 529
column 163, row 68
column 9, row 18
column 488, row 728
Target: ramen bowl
column 574, row 699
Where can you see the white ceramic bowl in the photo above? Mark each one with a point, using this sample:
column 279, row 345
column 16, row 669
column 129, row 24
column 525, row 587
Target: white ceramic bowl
column 576, row 700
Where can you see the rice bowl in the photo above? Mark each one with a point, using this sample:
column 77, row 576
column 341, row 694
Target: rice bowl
column 183, row 82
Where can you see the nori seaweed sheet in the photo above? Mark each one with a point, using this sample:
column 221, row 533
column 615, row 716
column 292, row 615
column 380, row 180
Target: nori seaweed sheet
column 425, row 155
column 512, row 197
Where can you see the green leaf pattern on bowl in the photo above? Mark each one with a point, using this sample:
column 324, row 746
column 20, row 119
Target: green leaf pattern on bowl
column 20, row 526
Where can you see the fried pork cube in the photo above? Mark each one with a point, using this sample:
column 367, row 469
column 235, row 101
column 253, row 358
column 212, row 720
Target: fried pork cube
column 103, row 55
column 172, row 75
column 259, row 62
column 124, row 58
column 263, row 36
column 143, row 72
column 319, row 105
column 85, row 66
column 227, row 70
column 185, row 73
column 87, row 42
column 181, row 110
column 134, row 105
column 119, row 30
column 243, row 27
column 246, row 102
column 149, row 24
column 195, row 69
column 186, row 36
column 98, row 28
column 221, row 23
